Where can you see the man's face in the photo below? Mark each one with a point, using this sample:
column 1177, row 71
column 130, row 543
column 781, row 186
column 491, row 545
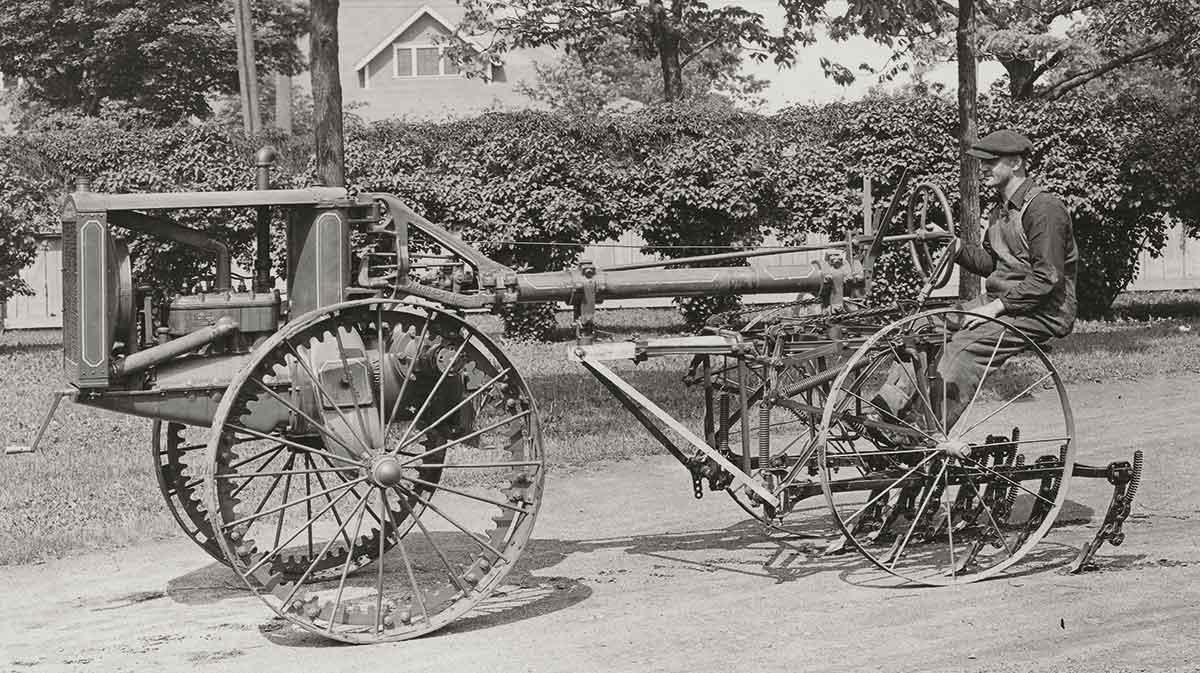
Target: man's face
column 997, row 172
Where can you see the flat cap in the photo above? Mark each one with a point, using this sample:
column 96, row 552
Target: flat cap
column 1004, row 142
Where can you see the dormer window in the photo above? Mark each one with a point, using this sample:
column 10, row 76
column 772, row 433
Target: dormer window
column 422, row 60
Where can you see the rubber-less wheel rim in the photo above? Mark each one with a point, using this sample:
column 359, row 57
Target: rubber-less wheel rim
column 456, row 478
column 928, row 516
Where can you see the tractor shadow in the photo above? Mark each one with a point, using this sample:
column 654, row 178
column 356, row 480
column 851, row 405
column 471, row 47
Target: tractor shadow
column 742, row 548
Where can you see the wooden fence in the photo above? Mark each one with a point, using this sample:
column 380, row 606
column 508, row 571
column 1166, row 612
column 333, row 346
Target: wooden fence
column 1177, row 268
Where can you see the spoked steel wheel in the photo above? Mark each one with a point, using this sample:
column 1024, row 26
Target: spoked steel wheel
column 178, row 453
column 935, row 499
column 420, row 430
column 179, row 460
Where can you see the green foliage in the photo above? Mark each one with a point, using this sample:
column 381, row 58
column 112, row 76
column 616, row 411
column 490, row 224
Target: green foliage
column 164, row 57
column 529, row 323
column 531, row 189
column 23, row 210
column 589, row 83
column 671, row 34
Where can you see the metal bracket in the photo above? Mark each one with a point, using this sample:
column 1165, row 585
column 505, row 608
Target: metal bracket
column 633, row 396
column 1125, row 479
column 55, row 400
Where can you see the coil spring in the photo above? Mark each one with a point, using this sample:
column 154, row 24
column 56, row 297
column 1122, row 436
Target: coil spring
column 1011, row 498
column 764, row 435
column 1132, row 489
column 723, row 428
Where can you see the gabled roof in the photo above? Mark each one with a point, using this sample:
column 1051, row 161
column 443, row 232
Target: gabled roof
column 425, row 10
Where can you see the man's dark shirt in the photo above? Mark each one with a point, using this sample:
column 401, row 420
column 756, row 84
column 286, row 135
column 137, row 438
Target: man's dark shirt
column 1030, row 266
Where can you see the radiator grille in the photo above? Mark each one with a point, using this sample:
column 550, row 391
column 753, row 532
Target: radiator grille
column 70, row 286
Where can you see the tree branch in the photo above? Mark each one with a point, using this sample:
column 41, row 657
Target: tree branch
column 1054, row 60
column 702, row 49
column 1057, row 91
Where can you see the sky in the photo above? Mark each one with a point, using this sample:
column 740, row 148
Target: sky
column 806, row 83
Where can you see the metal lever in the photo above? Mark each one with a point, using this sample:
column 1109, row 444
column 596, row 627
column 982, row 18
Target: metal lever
column 16, row 449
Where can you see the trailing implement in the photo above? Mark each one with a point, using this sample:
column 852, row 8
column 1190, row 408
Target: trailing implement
column 371, row 465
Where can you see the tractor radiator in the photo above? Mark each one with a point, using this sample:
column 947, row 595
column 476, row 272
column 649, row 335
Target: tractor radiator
column 89, row 292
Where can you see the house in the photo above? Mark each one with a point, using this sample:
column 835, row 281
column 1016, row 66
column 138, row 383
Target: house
column 393, row 65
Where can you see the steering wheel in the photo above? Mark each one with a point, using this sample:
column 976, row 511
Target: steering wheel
column 935, row 267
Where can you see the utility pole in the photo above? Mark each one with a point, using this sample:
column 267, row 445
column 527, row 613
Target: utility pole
column 328, row 133
column 968, row 122
column 243, row 24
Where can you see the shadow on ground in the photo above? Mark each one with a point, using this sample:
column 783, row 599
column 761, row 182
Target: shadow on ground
column 741, row 548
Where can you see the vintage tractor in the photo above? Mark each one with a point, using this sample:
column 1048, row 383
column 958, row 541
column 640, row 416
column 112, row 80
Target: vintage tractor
column 371, row 464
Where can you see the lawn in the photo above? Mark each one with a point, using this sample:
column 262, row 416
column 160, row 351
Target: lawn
column 92, row 486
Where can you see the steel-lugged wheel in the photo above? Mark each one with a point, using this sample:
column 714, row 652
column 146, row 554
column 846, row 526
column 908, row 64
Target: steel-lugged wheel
column 177, row 451
column 932, row 499
column 409, row 420
column 179, row 459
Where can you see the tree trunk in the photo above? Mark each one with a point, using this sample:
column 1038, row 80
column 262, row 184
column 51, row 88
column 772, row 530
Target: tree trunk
column 327, row 93
column 283, row 103
column 968, row 117
column 247, row 70
column 1020, row 78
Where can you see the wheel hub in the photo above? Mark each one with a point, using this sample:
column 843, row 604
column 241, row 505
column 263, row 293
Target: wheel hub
column 387, row 471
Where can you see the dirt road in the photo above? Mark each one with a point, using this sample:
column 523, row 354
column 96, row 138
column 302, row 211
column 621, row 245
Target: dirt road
column 629, row 573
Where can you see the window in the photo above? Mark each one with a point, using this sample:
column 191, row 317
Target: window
column 422, row 60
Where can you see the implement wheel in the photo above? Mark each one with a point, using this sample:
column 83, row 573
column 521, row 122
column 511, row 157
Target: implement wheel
column 944, row 505
column 414, row 426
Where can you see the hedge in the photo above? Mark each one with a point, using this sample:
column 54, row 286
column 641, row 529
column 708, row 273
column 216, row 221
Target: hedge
column 676, row 175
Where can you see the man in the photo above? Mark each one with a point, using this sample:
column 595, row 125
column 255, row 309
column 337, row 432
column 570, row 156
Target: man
column 1028, row 257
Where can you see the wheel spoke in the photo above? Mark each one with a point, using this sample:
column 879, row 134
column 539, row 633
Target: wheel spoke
column 352, row 490
column 902, row 421
column 362, row 423
column 479, row 498
column 986, row 370
column 337, row 439
column 298, row 446
column 379, row 562
column 382, row 361
column 334, row 512
column 258, row 455
column 917, row 518
column 337, row 602
column 287, row 489
column 949, row 513
column 258, row 515
column 942, row 354
column 412, row 362
column 988, row 510
column 464, row 401
column 412, row 579
column 509, row 463
column 307, row 525
column 433, row 391
column 459, row 440
column 1006, row 404
column 257, row 475
column 318, row 557
column 883, row 492
column 985, row 468
column 433, row 543
column 484, row 544
column 912, row 379
column 328, row 398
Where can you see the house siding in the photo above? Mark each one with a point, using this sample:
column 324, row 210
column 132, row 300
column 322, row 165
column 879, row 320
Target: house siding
column 377, row 94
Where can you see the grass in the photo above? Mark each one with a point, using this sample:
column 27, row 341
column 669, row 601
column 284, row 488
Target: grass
column 92, row 486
